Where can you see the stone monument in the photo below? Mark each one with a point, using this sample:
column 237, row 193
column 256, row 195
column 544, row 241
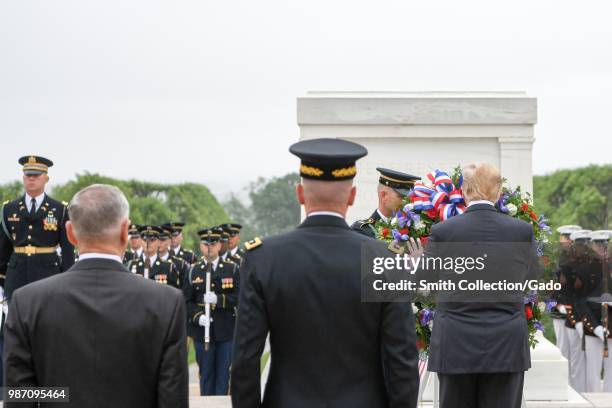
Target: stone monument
column 417, row 132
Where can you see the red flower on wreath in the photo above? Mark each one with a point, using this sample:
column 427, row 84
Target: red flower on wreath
column 525, row 207
column 528, row 312
column 385, row 232
column 424, row 240
column 404, row 231
column 533, row 216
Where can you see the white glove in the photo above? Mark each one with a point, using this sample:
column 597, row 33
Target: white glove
column 210, row 297
column 562, row 309
column 5, row 308
column 1, row 293
column 579, row 329
column 203, row 321
column 599, row 332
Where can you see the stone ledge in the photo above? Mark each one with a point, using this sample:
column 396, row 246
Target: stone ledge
column 416, row 108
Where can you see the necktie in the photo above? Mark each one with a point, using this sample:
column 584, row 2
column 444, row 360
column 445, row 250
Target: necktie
column 33, row 207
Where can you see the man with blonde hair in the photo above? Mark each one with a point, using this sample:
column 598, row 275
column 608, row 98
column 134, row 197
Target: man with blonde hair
column 113, row 338
column 480, row 350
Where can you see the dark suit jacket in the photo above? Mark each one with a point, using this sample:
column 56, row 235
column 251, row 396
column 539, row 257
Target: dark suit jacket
column 487, row 337
column 114, row 338
column 327, row 346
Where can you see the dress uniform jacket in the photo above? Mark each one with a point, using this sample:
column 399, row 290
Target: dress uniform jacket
column 327, row 346
column 187, row 255
column 114, row 339
column 162, row 271
column 46, row 228
column 225, row 282
column 366, row 227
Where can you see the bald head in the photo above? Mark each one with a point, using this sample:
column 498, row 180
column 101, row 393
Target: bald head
column 318, row 195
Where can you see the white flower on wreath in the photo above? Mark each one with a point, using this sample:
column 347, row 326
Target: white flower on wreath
column 408, row 207
column 542, row 307
column 393, row 221
column 415, row 309
column 512, row 209
column 418, row 225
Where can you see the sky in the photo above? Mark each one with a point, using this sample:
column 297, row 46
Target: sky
column 205, row 91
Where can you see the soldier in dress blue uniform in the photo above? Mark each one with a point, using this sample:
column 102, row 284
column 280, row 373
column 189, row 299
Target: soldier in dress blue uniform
column 177, row 241
column 135, row 250
column 234, row 253
column 304, row 289
column 31, row 232
column 224, row 241
column 392, row 186
column 213, row 358
column 150, row 265
column 180, row 266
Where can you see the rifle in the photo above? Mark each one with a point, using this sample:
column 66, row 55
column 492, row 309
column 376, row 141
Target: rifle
column 604, row 305
column 206, row 304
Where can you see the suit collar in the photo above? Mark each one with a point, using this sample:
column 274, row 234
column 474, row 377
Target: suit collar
column 99, row 263
column 323, row 221
column 478, row 207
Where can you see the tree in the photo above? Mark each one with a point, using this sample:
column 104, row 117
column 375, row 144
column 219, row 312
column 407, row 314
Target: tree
column 576, row 196
column 273, row 208
column 150, row 203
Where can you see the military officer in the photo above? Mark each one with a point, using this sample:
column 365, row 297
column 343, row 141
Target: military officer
column 33, row 241
column 177, row 241
column 392, row 186
column 564, row 296
column 135, row 250
column 149, row 265
column 304, row 289
column 180, row 266
column 224, row 241
column 234, row 252
column 596, row 326
column 214, row 357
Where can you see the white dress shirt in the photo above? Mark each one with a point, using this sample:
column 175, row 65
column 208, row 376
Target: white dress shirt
column 98, row 255
column 471, row 203
column 333, row 213
column 382, row 216
column 38, row 199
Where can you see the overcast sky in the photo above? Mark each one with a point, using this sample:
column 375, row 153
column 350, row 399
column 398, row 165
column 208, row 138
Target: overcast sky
column 206, row 91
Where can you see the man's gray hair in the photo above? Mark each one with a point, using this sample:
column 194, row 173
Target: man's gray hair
column 97, row 211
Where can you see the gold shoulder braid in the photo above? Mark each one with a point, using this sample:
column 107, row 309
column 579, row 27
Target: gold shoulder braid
column 254, row 243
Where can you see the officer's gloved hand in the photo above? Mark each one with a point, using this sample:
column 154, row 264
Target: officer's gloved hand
column 599, row 332
column 5, row 308
column 210, row 297
column 204, row 321
column 562, row 309
column 579, row 329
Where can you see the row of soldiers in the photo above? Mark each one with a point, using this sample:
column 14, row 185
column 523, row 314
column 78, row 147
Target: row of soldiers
column 580, row 317
column 34, row 245
column 156, row 253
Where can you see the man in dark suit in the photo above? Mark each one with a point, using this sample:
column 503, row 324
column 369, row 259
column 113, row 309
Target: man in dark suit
column 480, row 350
column 304, row 288
column 113, row 338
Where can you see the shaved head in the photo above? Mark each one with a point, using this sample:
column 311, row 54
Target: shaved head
column 318, row 195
